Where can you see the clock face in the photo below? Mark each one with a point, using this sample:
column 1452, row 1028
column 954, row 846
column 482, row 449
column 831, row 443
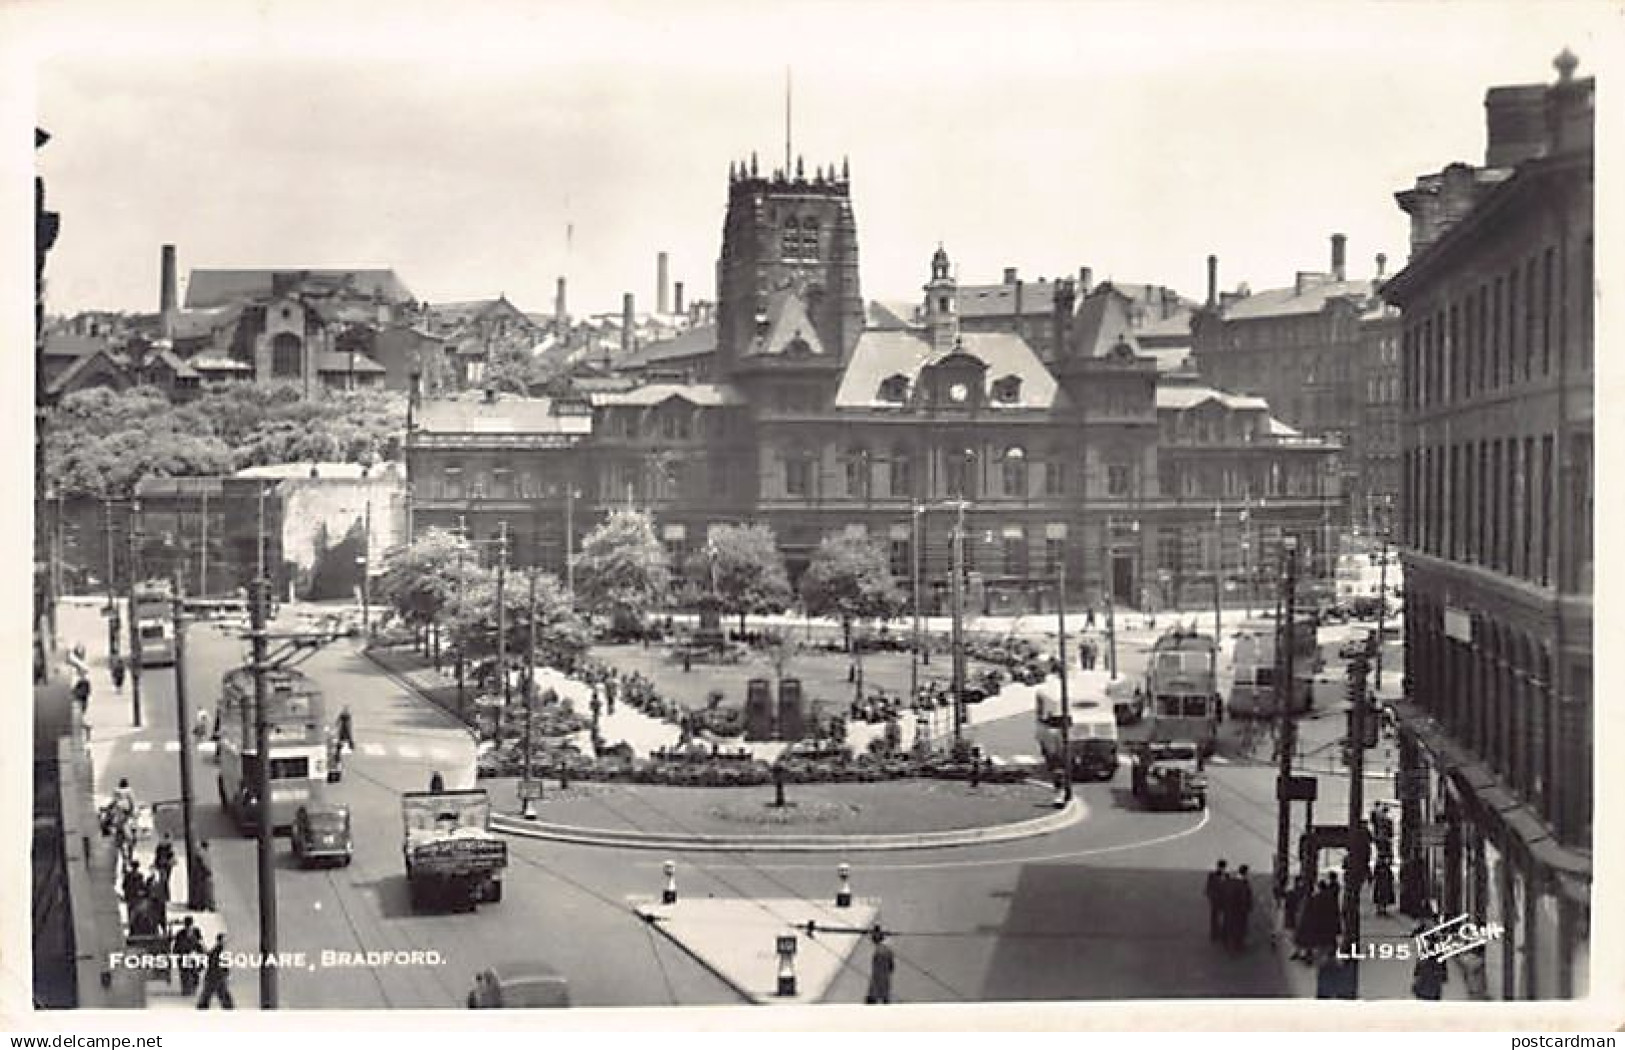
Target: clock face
column 958, row 392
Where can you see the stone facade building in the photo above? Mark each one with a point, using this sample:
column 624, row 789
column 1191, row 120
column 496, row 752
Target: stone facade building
column 1497, row 507
column 814, row 422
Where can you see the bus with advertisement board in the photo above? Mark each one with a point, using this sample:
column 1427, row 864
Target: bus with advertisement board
column 155, row 624
column 296, row 737
column 1181, row 685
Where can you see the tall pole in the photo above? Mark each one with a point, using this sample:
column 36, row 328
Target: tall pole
column 262, row 796
column 958, row 625
column 112, row 593
column 134, row 537
column 530, row 675
column 183, row 733
column 1066, row 699
column 502, row 609
column 462, row 543
column 1382, row 598
column 366, row 573
column 203, row 549
column 570, row 536
column 1218, row 579
column 1356, row 863
column 1283, row 706
column 1111, row 599
column 914, row 661
column 259, row 533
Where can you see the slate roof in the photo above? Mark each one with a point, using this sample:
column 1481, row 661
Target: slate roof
column 206, row 288
column 701, row 339
column 889, row 315
column 787, row 321
column 69, row 344
column 1105, row 317
column 505, row 415
column 706, row 395
column 1182, row 396
column 1286, row 302
column 218, row 363
column 189, row 324
column 341, row 361
column 80, row 364
column 879, row 355
column 999, row 300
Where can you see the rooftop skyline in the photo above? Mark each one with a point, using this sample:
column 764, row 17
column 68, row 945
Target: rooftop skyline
column 496, row 152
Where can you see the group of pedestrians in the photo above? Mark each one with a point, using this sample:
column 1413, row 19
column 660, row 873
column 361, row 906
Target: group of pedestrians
column 1229, row 905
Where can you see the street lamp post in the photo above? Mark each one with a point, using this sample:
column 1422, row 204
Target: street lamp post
column 1382, row 588
column 134, row 536
column 502, row 610
column 112, row 593
column 1066, row 700
column 184, row 735
column 958, row 621
column 1285, row 632
column 914, row 557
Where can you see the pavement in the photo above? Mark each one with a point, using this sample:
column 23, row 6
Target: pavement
column 738, row 940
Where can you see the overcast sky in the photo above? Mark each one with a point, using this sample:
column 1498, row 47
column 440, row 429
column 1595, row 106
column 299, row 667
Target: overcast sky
column 457, row 143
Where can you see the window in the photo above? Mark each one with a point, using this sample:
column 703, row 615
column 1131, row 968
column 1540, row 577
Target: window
column 451, row 482
column 894, row 389
column 287, row 356
column 1053, row 548
column 1118, row 478
column 1055, row 474
column 902, row 472
column 1015, row 551
column 1546, row 311
column 1007, row 390
column 857, row 473
column 1531, row 300
column 901, row 556
column 296, row 768
column 797, row 476
column 1015, row 473
column 957, row 468
column 1546, row 510
column 502, row 483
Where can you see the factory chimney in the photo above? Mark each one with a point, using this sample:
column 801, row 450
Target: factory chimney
column 662, row 305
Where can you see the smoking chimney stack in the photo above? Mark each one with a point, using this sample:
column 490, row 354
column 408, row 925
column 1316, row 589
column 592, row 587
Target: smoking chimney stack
column 662, row 305
column 1212, row 281
column 1339, row 242
column 677, row 292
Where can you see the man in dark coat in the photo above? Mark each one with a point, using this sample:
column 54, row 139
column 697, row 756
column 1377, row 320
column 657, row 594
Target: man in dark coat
column 186, row 946
column 1214, row 892
column 1382, row 888
column 880, row 969
column 216, row 977
column 1238, row 908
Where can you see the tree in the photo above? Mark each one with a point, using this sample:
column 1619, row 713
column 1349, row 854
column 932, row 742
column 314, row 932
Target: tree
column 420, row 580
column 622, row 569
column 561, row 636
column 849, row 580
column 743, row 564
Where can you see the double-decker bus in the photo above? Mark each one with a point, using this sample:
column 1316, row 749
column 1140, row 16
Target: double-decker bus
column 1256, row 664
column 296, row 737
column 1181, row 685
column 154, row 624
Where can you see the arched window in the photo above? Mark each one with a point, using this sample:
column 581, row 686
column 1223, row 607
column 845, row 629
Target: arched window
column 791, row 238
column 287, row 356
column 894, row 389
column 1015, row 472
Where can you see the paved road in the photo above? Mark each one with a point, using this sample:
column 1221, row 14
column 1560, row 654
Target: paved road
column 1111, row 908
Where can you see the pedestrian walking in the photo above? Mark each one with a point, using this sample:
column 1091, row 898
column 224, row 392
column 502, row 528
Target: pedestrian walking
column 163, row 861
column 1089, row 618
column 1382, row 887
column 187, row 948
column 81, row 691
column 202, row 875
column 1214, row 891
column 1238, row 908
column 437, row 783
column 135, row 883
column 216, row 976
column 1297, row 897
column 118, row 674
column 346, row 729
column 200, row 725
column 880, row 968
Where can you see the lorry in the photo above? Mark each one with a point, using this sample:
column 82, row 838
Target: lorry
column 1168, row 775
column 453, row 859
column 1091, row 739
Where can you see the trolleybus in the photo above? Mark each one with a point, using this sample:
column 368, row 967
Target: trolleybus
column 296, row 736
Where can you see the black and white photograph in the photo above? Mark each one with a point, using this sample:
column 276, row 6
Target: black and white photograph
column 850, row 507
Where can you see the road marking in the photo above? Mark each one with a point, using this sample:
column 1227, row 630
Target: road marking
column 172, row 746
column 983, row 863
column 408, row 751
column 373, row 749
column 141, row 745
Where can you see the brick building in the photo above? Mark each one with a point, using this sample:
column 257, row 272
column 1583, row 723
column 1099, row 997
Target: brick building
column 1497, row 359
column 1374, row 443
column 814, row 421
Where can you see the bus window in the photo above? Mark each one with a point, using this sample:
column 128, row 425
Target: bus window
column 1264, row 676
column 1196, row 707
column 1168, row 706
column 290, row 768
column 152, row 632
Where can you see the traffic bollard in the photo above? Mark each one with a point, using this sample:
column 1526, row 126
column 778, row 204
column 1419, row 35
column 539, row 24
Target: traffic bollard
column 786, row 947
column 843, row 897
column 669, row 894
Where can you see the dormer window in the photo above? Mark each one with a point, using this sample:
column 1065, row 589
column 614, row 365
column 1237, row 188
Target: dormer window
column 1007, row 390
column 894, row 389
